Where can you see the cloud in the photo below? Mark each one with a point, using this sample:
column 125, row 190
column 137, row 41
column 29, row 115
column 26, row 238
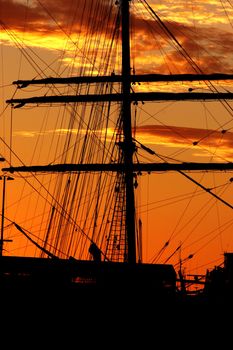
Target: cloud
column 219, row 142
column 52, row 23
column 46, row 16
column 196, row 139
column 208, row 47
column 33, row 133
column 15, row 15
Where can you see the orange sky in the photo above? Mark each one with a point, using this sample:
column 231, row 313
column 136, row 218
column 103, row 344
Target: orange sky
column 52, row 35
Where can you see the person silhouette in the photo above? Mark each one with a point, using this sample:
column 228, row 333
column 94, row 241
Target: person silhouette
column 95, row 252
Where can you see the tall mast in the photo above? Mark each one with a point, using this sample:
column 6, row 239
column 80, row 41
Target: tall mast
column 126, row 97
column 128, row 147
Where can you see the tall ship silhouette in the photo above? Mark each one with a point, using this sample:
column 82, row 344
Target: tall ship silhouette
column 126, row 183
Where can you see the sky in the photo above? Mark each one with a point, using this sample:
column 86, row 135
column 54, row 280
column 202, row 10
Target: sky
column 49, row 38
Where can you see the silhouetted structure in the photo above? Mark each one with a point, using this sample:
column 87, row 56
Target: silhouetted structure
column 119, row 270
column 219, row 282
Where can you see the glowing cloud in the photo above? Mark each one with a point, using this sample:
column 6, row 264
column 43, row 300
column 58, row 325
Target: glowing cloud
column 159, row 135
column 184, row 137
column 65, row 24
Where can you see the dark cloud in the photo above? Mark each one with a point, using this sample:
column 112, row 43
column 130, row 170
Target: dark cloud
column 15, row 15
column 210, row 48
column 45, row 16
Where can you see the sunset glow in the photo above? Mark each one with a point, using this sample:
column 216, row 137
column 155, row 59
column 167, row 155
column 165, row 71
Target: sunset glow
column 50, row 38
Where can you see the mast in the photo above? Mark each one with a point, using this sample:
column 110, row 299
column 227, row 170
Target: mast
column 128, row 147
column 126, row 97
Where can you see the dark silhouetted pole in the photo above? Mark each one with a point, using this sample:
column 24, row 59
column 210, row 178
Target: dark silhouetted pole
column 4, row 178
column 128, row 148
